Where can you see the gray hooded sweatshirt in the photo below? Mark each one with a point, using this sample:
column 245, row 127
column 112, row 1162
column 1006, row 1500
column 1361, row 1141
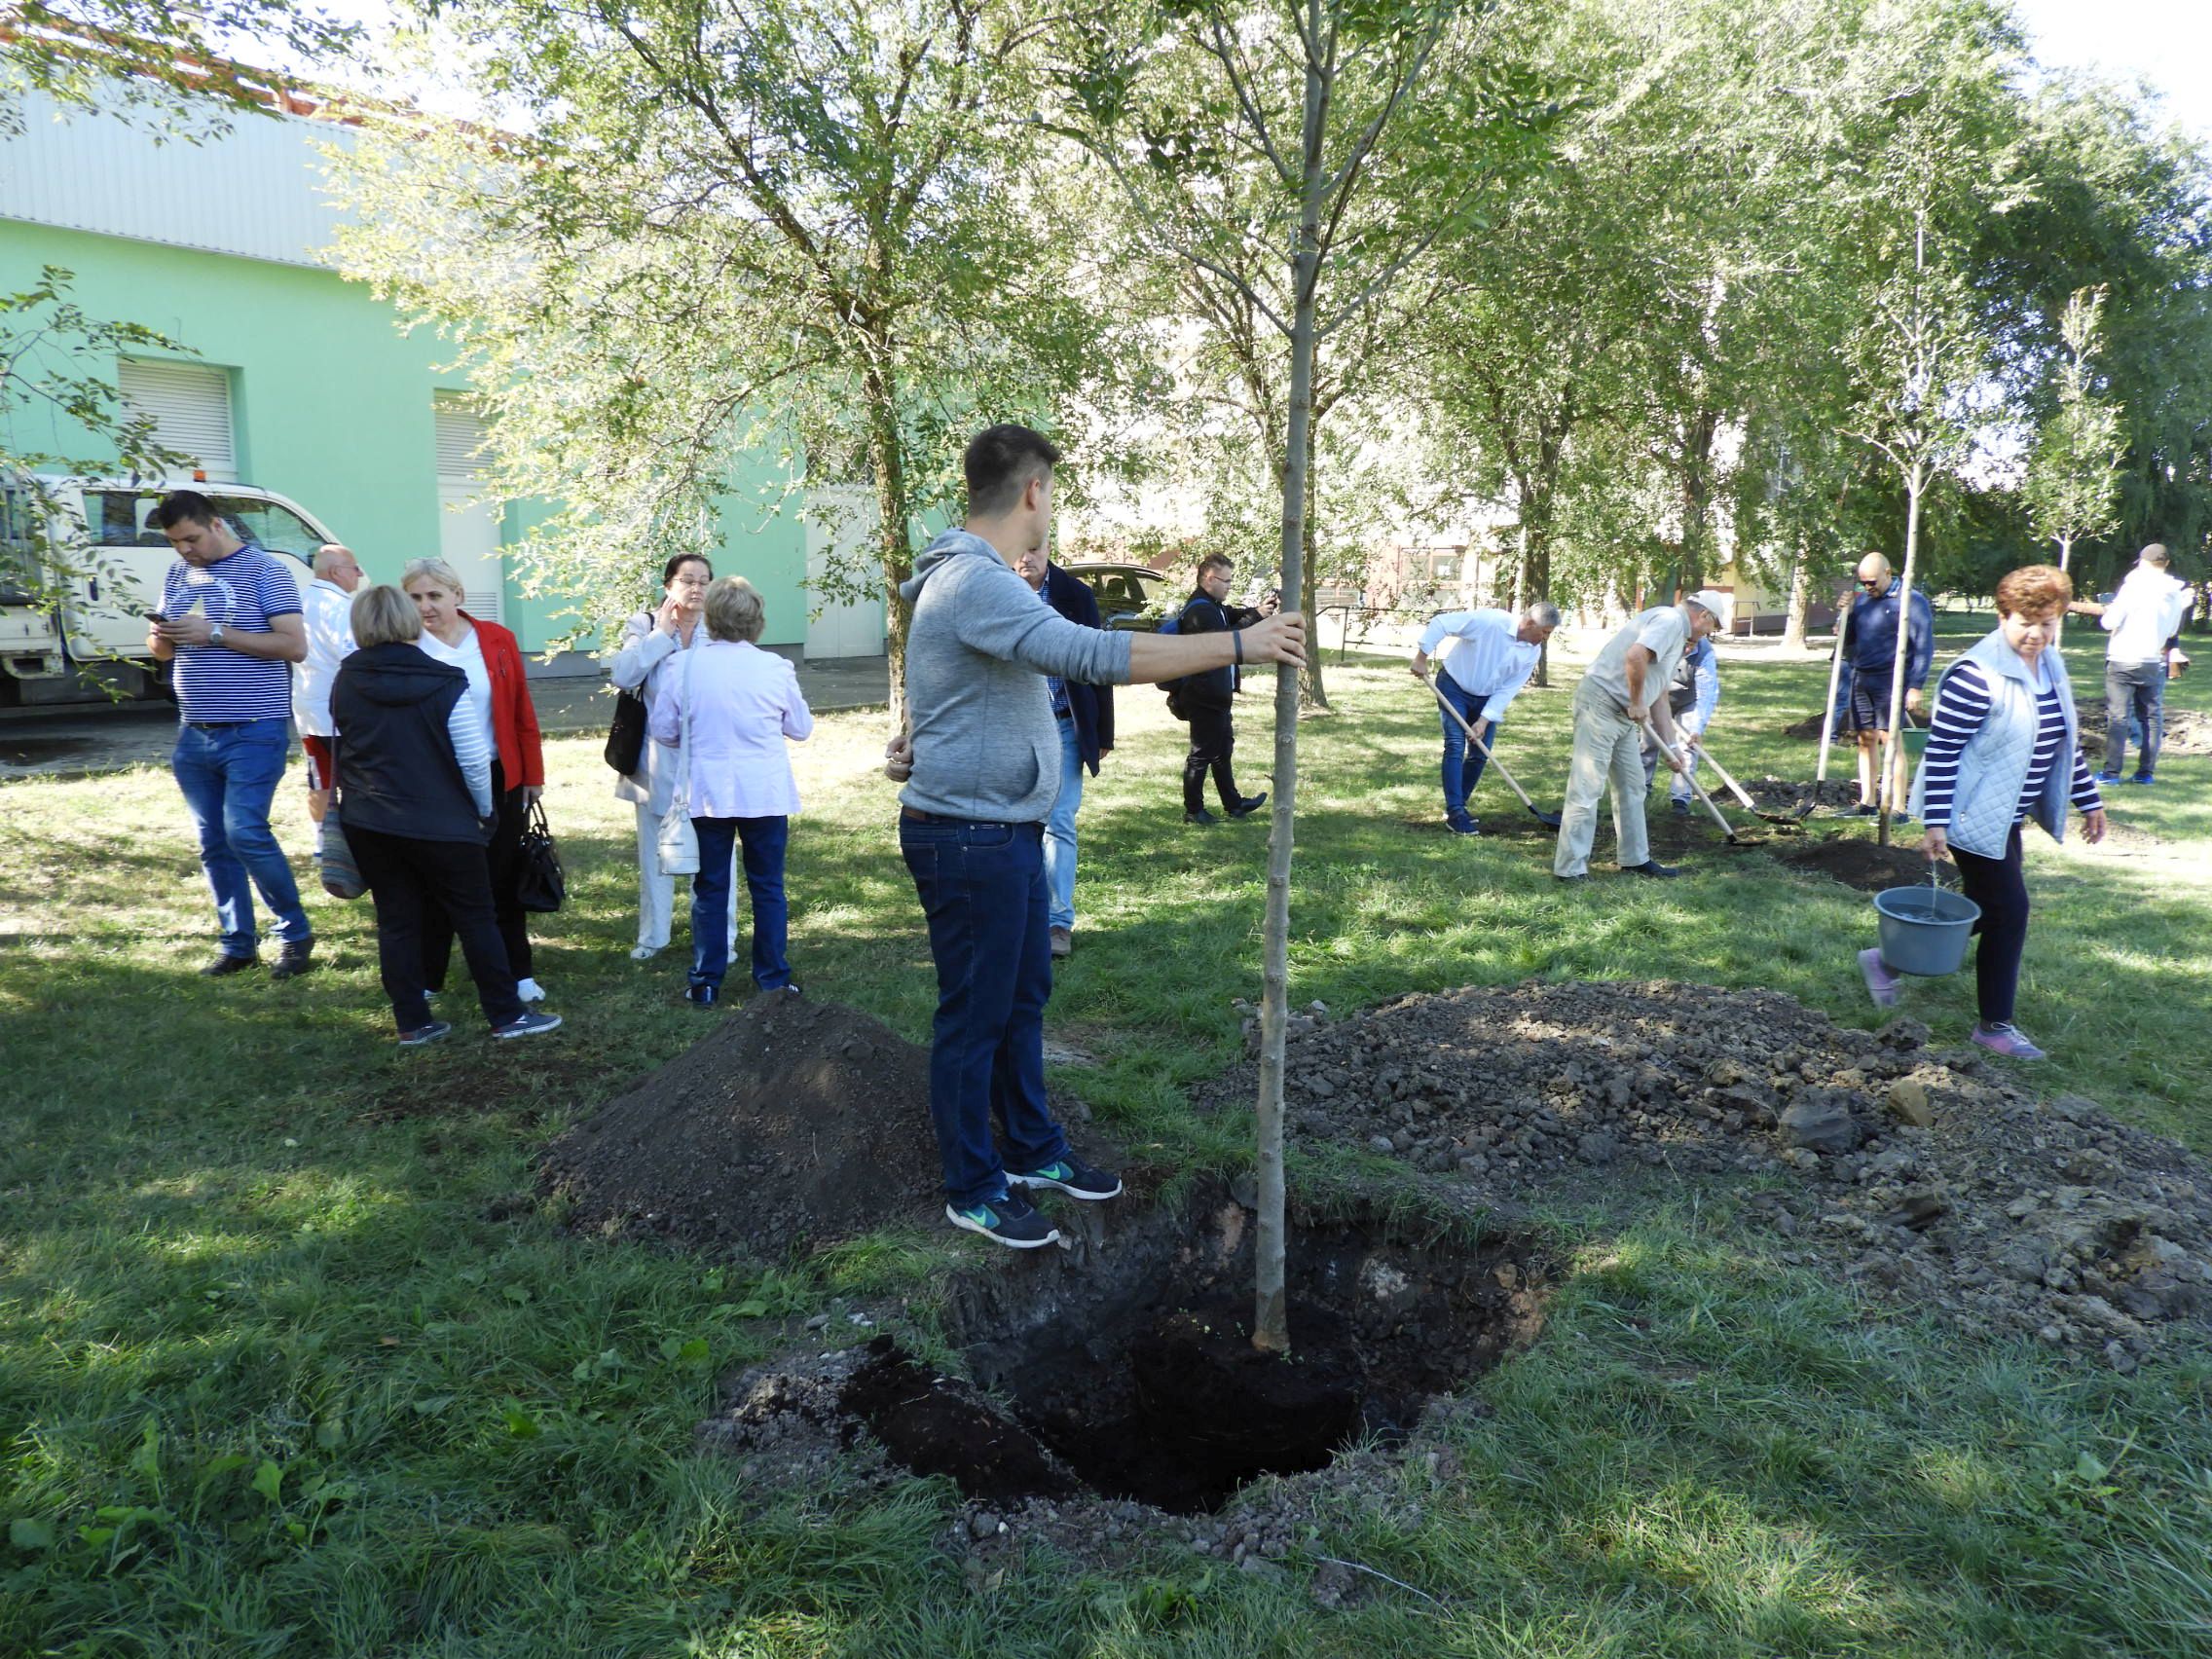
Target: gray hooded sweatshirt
column 987, row 746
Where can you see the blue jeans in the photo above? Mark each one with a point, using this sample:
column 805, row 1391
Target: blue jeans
column 1463, row 762
column 2135, row 695
column 763, row 841
column 1060, row 831
column 982, row 891
column 228, row 776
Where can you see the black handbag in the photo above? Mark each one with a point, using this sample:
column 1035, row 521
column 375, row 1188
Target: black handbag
column 626, row 734
column 539, row 884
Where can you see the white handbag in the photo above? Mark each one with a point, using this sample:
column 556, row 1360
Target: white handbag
column 679, row 842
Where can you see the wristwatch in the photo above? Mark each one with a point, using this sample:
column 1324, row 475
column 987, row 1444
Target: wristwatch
column 215, row 635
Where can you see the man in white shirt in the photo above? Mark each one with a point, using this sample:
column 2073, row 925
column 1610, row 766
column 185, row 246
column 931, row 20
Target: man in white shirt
column 328, row 603
column 1491, row 656
column 1625, row 690
column 2143, row 617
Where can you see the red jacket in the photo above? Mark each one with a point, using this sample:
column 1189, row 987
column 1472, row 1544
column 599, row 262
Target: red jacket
column 514, row 720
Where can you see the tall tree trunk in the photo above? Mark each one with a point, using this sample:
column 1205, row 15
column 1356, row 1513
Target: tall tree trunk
column 1271, row 1313
column 1697, row 496
column 887, row 460
column 2065, row 551
column 1915, row 483
column 1800, row 601
column 1310, row 692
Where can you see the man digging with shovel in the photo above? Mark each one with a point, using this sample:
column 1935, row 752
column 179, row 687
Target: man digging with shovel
column 1491, row 659
column 1626, row 690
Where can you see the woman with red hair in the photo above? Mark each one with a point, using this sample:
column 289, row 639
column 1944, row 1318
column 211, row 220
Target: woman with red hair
column 2003, row 747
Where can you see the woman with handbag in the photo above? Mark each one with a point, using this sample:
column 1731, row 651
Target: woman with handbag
column 727, row 712
column 498, row 699
column 415, row 799
column 654, row 645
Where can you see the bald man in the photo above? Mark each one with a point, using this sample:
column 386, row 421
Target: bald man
column 1870, row 643
column 329, row 607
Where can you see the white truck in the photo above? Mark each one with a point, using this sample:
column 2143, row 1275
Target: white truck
column 98, row 638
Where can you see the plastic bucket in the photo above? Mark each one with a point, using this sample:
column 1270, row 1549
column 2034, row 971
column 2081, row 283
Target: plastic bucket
column 1924, row 930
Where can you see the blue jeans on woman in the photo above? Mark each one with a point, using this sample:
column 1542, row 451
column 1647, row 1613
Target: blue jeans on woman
column 1463, row 762
column 982, row 890
column 229, row 775
column 763, row 841
column 1060, row 831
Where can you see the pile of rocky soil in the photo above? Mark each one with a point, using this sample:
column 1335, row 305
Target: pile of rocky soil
column 793, row 1123
column 1863, row 863
column 1929, row 1177
column 1788, row 794
column 2187, row 731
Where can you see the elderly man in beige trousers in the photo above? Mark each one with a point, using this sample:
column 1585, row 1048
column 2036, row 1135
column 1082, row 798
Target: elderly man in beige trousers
column 1625, row 690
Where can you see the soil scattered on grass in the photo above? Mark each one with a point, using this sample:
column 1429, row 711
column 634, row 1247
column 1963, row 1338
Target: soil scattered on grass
column 2187, row 731
column 1784, row 795
column 1931, row 1178
column 791, row 1122
column 1863, row 863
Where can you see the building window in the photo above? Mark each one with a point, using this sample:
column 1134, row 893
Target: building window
column 191, row 408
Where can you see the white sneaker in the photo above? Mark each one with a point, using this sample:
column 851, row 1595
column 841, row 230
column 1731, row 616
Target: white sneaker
column 529, row 990
column 644, row 953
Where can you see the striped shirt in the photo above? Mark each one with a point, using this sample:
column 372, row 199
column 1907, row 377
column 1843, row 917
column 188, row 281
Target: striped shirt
column 471, row 750
column 1487, row 659
column 238, row 594
column 1962, row 705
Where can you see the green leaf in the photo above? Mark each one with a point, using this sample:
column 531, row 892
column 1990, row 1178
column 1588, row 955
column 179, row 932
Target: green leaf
column 676, row 1351
column 28, row 1534
column 517, row 1295
column 269, row 1481
column 751, row 1307
column 432, row 1405
column 521, row 1425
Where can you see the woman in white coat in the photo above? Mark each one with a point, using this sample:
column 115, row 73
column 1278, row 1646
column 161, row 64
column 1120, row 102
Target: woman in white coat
column 730, row 706
column 652, row 649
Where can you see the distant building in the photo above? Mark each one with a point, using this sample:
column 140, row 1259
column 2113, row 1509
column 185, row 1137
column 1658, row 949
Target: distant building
column 301, row 383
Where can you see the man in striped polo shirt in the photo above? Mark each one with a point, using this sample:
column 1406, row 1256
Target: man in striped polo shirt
column 1491, row 656
column 229, row 619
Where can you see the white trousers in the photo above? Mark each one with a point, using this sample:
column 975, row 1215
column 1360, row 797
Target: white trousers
column 1608, row 749
column 656, row 888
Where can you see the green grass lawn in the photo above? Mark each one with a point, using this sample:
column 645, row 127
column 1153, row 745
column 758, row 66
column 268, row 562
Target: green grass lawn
column 292, row 1362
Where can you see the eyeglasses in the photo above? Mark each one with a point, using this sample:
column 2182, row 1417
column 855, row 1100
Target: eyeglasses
column 1869, row 582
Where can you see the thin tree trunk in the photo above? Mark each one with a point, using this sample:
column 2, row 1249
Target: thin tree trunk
column 1800, row 603
column 2065, row 551
column 1312, row 693
column 1915, row 481
column 888, row 461
column 1271, row 1313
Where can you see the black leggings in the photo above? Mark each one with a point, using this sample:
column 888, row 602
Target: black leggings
column 412, row 881
column 1998, row 886
column 1213, row 739
column 502, row 860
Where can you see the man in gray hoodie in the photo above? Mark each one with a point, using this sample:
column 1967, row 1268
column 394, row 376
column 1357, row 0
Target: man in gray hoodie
column 981, row 760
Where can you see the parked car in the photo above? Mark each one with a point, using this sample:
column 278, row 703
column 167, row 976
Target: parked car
column 1129, row 596
column 100, row 632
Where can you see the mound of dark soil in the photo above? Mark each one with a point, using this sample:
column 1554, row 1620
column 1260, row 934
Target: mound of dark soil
column 793, row 1123
column 1929, row 1177
column 1784, row 795
column 1863, row 863
column 1673, row 838
column 2189, row 731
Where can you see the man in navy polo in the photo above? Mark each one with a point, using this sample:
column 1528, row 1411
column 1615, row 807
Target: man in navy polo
column 231, row 620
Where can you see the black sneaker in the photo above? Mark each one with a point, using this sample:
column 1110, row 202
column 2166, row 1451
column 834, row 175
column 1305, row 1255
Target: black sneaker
column 1248, row 806
column 529, row 1023
column 1200, row 815
column 1463, row 825
column 1069, row 1174
column 1680, row 808
column 1651, row 868
column 292, row 961
column 1012, row 1221
column 701, row 996
column 423, row 1034
column 226, row 965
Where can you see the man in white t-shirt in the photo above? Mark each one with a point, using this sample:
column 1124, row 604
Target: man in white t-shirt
column 328, row 603
column 1624, row 691
column 2143, row 619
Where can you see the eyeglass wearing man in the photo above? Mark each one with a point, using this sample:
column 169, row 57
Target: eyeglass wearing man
column 1870, row 635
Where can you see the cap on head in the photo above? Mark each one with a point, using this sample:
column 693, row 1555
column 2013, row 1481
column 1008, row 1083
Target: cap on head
column 2155, row 556
column 1712, row 600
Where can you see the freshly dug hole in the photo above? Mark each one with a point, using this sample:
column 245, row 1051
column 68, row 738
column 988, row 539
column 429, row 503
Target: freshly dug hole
column 1132, row 1378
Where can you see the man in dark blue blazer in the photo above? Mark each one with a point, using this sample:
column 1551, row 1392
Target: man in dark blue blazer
column 1085, row 715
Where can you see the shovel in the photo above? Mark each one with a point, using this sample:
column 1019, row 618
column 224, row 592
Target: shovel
column 1726, row 828
column 1788, row 820
column 1549, row 820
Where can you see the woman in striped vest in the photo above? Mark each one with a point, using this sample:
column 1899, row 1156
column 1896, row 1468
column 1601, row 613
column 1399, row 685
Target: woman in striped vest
column 2002, row 748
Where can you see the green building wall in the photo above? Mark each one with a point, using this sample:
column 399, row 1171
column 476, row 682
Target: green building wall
column 332, row 406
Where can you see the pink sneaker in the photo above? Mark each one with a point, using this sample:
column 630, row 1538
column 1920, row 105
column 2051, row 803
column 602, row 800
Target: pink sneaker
column 1881, row 983
column 2005, row 1038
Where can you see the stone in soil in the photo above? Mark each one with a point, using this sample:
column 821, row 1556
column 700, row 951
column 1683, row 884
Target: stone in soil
column 1931, row 1178
column 793, row 1123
